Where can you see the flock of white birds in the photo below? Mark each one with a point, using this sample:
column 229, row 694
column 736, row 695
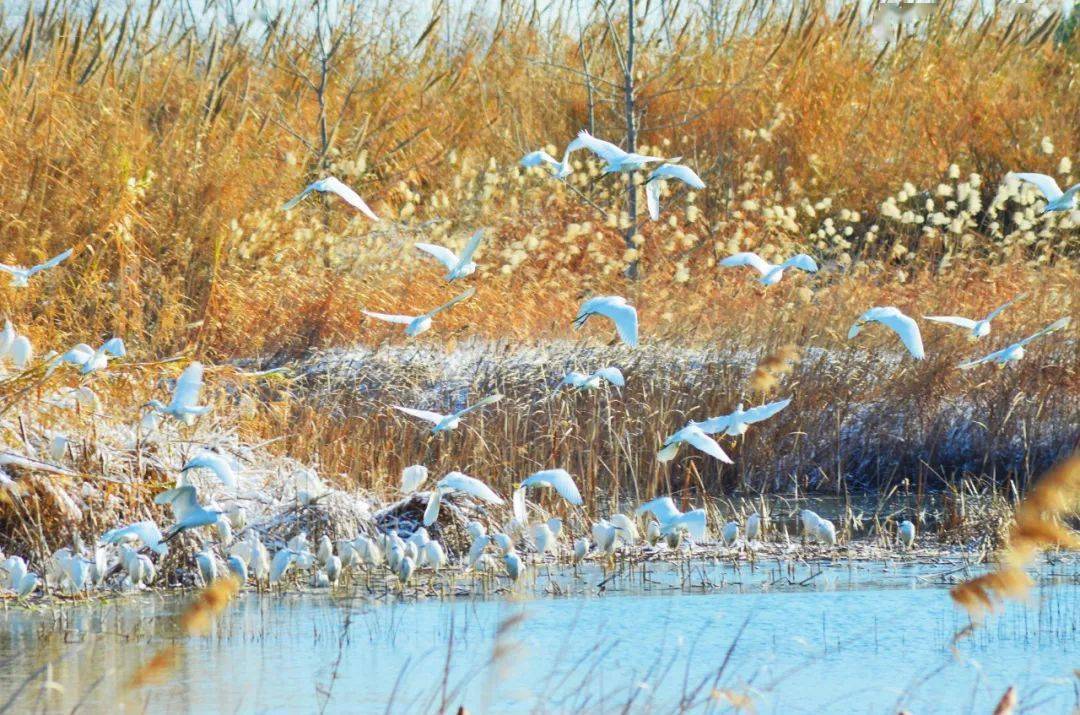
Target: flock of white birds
column 129, row 550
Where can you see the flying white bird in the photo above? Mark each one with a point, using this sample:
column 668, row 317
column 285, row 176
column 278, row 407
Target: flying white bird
column 557, row 479
column 1056, row 199
column 412, row 477
column 1016, row 350
column 457, row 482
column 694, row 436
column 737, row 422
column 770, row 273
column 667, row 171
column 906, row 532
column 88, row 360
column 559, row 169
column 459, row 266
column 20, row 275
column 58, row 447
column 186, row 509
column 447, row 422
column 617, row 310
column 184, row 405
column 416, row 324
column 617, row 160
column 902, row 325
column 590, row 382
column 978, row 328
column 222, row 467
column 145, row 532
column 333, row 185
column 664, row 511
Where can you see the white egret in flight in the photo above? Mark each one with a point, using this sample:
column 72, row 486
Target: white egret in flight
column 770, row 273
column 88, row 360
column 333, row 185
column 737, row 422
column 145, row 532
column 20, row 275
column 978, row 328
column 447, row 422
column 184, row 405
column 617, row 310
column 557, row 479
column 457, row 482
column 664, row 511
column 416, row 324
column 694, row 436
column 221, row 466
column 1016, row 350
column 667, row 171
column 458, row 266
column 559, row 169
column 188, row 512
column 617, row 160
column 902, row 325
column 1056, row 199
column 590, row 382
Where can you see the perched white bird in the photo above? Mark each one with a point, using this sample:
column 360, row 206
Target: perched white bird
column 15, row 566
column 902, row 325
column 88, row 360
column 416, row 324
column 809, row 520
column 237, row 516
column 653, row 532
column 26, row 585
column 670, row 518
column 187, row 510
column 1056, row 199
column 737, row 422
column 978, row 328
column 333, row 185
column 146, row 532
column 405, row 569
column 617, row 160
column 826, row 532
column 58, row 447
column 661, row 173
column 238, row 568
column 514, row 567
column 184, row 405
column 617, row 310
column 21, row 352
column 333, row 569
column 543, row 538
column 730, row 532
column 559, row 169
column 222, row 467
column 20, row 275
column 457, row 482
column 1016, row 350
column 694, row 436
column 458, row 266
column 581, row 549
column 420, row 537
column 412, row 477
column 906, row 532
column 325, row 550
column 590, row 382
column 770, row 273
column 208, row 568
column 476, row 549
column 447, row 422
column 280, row 565
column 435, row 555
column 502, row 541
column 224, row 529
column 626, row 531
column 753, row 526
column 557, row 479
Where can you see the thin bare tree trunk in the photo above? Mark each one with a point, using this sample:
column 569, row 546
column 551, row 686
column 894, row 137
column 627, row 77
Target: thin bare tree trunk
column 631, row 136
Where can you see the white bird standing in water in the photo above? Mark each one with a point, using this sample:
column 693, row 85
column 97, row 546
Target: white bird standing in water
column 730, row 533
column 416, row 324
column 737, row 422
column 447, row 422
column 21, row 352
column 626, row 531
column 457, row 482
column 1056, row 199
column 670, row 518
column 584, row 382
column 221, row 466
column 753, row 526
column 333, row 185
column 906, row 532
column 809, row 520
column 616, row 309
column 661, row 173
column 902, row 325
column 21, row 275
column 770, row 273
column 604, row 533
column 977, row 328
column 238, row 568
column 559, row 169
column 458, row 266
column 694, row 436
column 1016, row 350
column 184, row 405
column 514, row 567
column 208, row 569
column 826, row 532
column 581, row 549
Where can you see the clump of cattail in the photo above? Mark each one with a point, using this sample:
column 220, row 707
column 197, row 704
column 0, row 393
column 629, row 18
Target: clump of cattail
column 1038, row 526
column 767, row 373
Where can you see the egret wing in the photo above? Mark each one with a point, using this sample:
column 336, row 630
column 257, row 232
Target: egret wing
column 1053, row 327
column 652, row 199
column 802, row 261
column 559, row 480
column 956, row 320
column 678, row 172
column 338, row 187
column 470, row 247
column 453, row 301
column 433, row 417
column 753, row 260
column 470, row 485
column 908, row 330
column 613, row 375
column 764, row 412
column 706, row 444
column 222, row 468
column 442, row 254
column 298, row 198
column 390, row 318
column 188, row 386
column 997, row 311
column 1043, row 183
column 478, row 404
column 663, row 508
column 603, row 149
column 412, row 477
column 51, row 263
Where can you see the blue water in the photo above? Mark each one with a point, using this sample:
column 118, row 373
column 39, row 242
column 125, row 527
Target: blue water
column 874, row 647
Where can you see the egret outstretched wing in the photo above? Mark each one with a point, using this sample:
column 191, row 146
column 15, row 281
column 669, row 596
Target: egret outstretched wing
column 389, row 318
column 188, row 386
column 956, row 320
column 453, row 301
column 518, row 501
column 992, row 357
column 442, row 254
column 652, row 199
column 617, row 310
column 536, row 158
column 677, row 172
column 603, row 149
column 902, row 325
column 478, row 404
column 663, row 508
column 183, row 500
column 613, row 375
column 222, row 468
column 432, row 417
column 1053, row 327
column 51, row 263
column 801, row 261
column 145, row 531
column 471, row 246
column 333, row 185
column 456, row 481
column 997, row 311
column 753, row 260
column 412, row 477
column 559, row 480
column 764, row 412
column 696, row 437
column 1043, row 183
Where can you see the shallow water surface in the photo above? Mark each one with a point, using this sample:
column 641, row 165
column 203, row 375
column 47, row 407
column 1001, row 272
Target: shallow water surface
column 851, row 638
